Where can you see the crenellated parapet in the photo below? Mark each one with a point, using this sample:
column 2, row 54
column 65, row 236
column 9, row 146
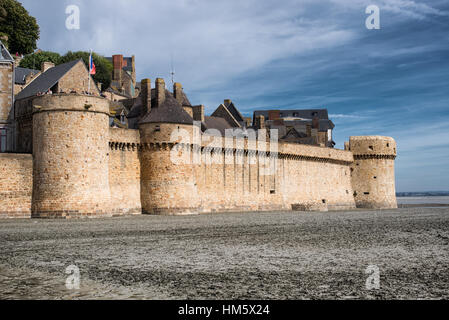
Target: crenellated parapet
column 84, row 168
column 124, row 170
column 125, row 146
column 238, row 174
column 373, row 146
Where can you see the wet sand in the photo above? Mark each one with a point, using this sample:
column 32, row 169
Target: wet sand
column 290, row 255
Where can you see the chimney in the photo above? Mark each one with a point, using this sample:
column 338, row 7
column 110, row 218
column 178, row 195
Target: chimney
column 117, row 62
column 309, row 130
column 198, row 113
column 47, row 65
column 177, row 92
column 247, row 121
column 315, row 136
column 260, row 122
column 274, row 114
column 160, row 92
column 227, row 102
column 146, row 95
column 316, row 123
column 133, row 62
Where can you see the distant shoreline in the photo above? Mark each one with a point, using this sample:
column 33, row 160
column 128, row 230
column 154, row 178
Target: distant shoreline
column 423, row 194
column 423, row 205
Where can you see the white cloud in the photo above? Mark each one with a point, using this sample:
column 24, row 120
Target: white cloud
column 211, row 41
column 405, row 8
column 345, row 116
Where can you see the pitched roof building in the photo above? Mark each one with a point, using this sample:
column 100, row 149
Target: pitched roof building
column 6, row 99
column 311, row 126
column 67, row 77
column 23, row 77
column 123, row 75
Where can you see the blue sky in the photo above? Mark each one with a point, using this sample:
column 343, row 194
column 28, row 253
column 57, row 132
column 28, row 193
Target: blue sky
column 290, row 54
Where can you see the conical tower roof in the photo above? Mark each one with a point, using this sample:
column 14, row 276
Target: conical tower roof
column 170, row 111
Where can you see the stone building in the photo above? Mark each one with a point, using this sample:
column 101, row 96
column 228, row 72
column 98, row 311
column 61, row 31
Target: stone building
column 23, row 77
column 6, row 100
column 169, row 158
column 307, row 126
column 231, row 114
column 71, row 77
column 123, row 77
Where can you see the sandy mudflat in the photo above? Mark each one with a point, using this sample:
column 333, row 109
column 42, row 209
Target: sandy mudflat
column 230, row 256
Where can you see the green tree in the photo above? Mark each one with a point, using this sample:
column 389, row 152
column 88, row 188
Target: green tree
column 35, row 60
column 21, row 28
column 102, row 65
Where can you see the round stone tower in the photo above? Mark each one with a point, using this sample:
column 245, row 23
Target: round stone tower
column 373, row 178
column 168, row 183
column 70, row 156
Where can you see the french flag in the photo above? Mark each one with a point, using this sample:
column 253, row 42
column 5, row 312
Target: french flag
column 92, row 69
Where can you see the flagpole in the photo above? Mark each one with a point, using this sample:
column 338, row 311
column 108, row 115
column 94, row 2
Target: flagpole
column 90, row 65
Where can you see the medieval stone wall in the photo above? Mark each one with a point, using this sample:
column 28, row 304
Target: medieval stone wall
column 70, row 147
column 373, row 176
column 24, row 125
column 124, row 171
column 83, row 168
column 167, row 187
column 223, row 175
column 297, row 177
column 16, row 180
column 6, row 89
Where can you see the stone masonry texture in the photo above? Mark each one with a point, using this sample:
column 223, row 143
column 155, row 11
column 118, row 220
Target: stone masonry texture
column 83, row 168
column 16, row 183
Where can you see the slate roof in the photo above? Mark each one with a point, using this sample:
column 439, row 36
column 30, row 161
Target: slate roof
column 22, row 73
column 114, row 91
column 326, row 125
column 322, row 114
column 4, row 53
column 47, row 80
column 135, row 106
column 293, row 133
column 217, row 123
column 185, row 100
column 234, row 111
column 170, row 111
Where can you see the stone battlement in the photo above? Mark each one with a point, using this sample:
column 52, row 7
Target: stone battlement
column 83, row 168
column 372, row 145
column 71, row 102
